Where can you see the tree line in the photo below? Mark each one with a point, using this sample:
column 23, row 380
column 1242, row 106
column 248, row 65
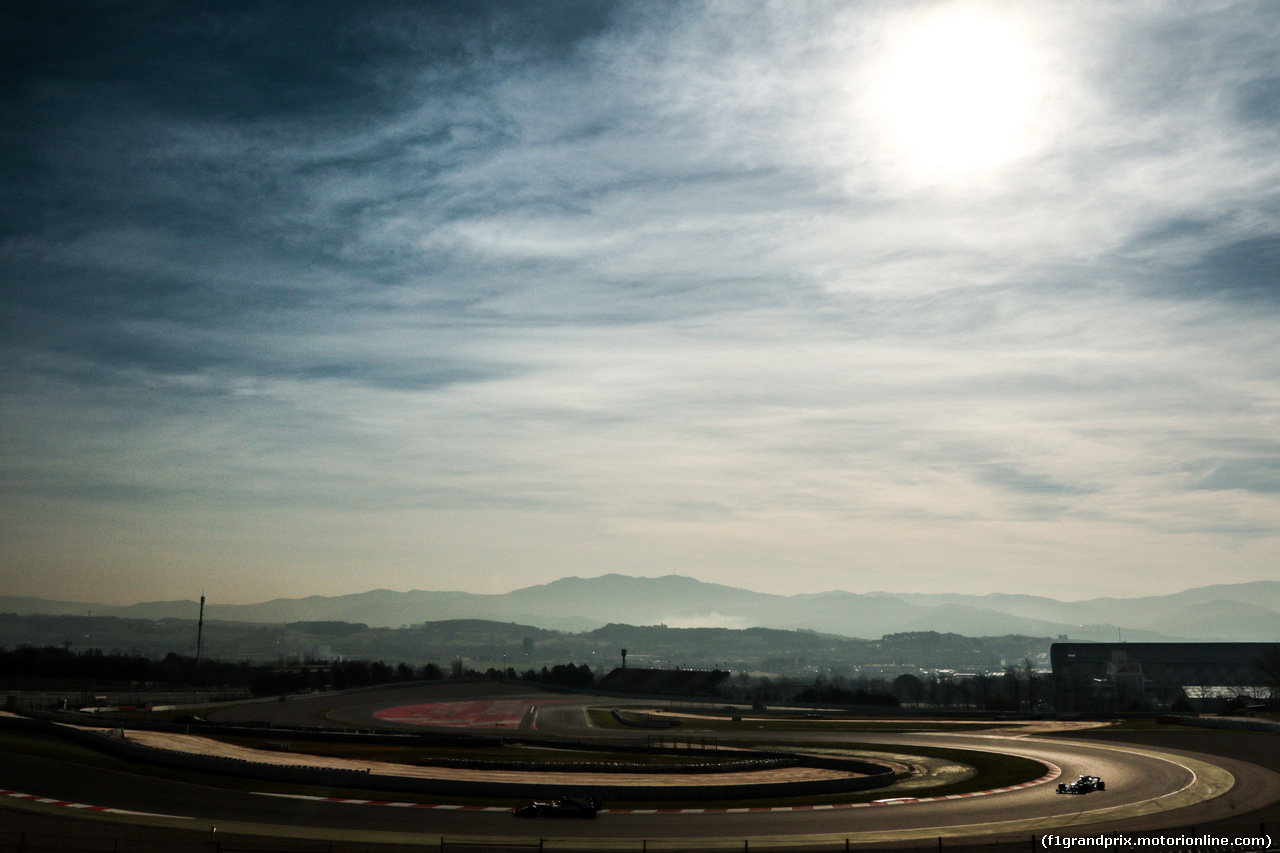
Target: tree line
column 1019, row 688
column 47, row 664
column 53, row 666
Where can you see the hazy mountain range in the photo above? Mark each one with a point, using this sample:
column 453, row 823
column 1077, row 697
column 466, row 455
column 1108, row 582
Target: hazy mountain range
column 1247, row 611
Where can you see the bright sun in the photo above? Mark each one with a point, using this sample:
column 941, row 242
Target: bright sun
column 958, row 92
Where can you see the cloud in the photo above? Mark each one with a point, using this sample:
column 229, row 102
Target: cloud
column 541, row 290
column 706, row 620
column 1247, row 269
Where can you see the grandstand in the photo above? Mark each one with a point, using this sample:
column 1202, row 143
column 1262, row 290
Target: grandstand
column 1155, row 676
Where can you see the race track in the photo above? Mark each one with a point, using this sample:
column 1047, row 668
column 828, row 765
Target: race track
column 1147, row 788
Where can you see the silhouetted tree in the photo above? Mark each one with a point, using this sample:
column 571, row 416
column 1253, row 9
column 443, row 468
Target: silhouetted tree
column 909, row 688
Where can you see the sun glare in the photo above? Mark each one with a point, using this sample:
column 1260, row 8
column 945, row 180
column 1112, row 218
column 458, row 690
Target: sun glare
column 958, row 91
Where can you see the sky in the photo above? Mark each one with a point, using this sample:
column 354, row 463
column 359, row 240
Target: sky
column 313, row 298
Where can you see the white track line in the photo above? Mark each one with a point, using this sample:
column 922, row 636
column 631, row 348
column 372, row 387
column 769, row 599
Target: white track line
column 1054, row 773
column 83, row 806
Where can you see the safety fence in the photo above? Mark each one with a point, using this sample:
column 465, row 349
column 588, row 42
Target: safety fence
column 1185, row 840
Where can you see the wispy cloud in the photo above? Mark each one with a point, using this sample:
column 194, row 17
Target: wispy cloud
column 333, row 297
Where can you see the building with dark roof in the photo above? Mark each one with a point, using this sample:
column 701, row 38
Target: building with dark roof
column 1155, row 676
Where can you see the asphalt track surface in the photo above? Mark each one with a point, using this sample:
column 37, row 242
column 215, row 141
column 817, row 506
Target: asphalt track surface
column 1148, row 787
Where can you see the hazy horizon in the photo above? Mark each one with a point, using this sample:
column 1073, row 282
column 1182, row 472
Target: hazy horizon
column 1223, row 613
column 886, row 591
column 962, row 296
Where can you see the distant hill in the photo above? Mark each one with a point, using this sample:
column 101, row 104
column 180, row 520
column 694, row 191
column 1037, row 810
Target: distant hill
column 484, row 645
column 1244, row 612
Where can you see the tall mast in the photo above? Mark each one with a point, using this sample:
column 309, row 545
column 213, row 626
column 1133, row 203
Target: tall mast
column 199, row 636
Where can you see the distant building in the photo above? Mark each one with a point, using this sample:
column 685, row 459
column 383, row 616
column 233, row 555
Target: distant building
column 1154, row 676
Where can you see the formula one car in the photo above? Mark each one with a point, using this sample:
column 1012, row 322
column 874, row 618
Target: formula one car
column 562, row 807
column 1083, row 785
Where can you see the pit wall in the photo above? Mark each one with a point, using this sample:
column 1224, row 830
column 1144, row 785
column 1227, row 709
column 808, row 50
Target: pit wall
column 114, row 742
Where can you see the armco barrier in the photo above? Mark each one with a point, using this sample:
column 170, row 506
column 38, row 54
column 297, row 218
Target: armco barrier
column 1235, row 723
column 116, row 744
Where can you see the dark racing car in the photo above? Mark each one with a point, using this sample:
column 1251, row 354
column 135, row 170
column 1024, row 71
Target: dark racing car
column 1083, row 785
column 562, row 807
